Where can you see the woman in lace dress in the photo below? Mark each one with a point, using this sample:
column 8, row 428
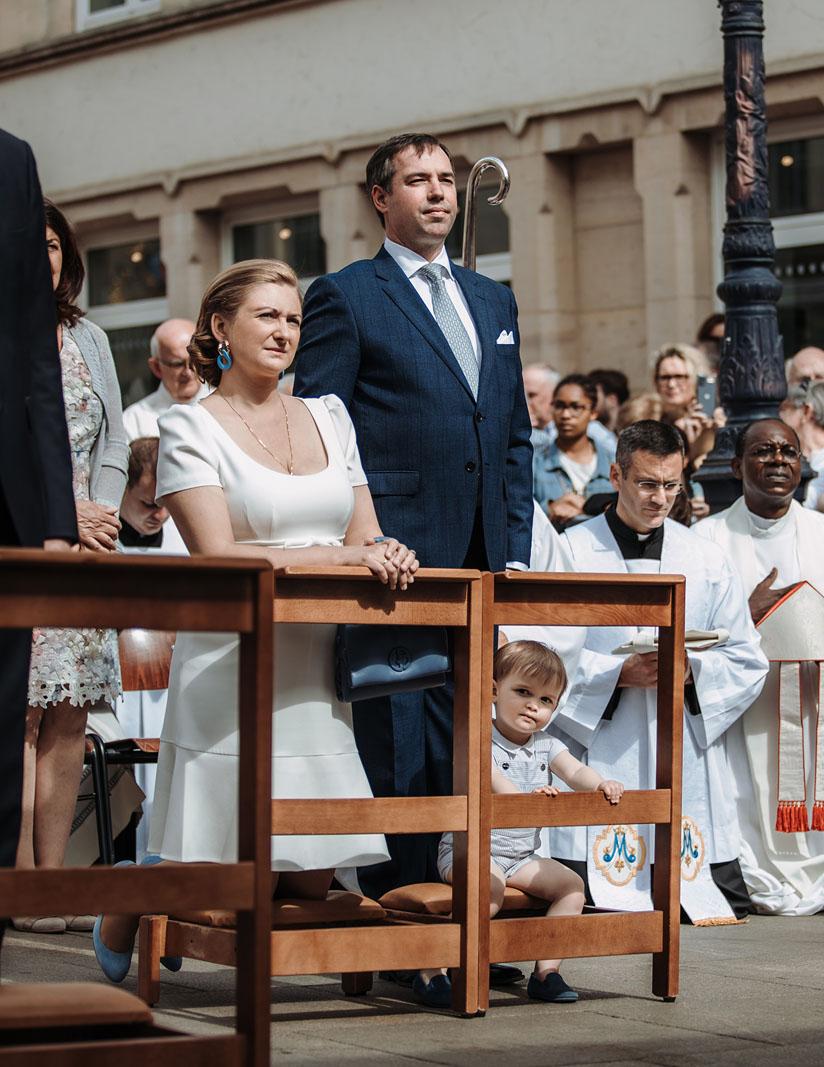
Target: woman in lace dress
column 72, row 670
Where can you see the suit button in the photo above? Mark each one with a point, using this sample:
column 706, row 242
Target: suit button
column 479, row 417
column 470, row 466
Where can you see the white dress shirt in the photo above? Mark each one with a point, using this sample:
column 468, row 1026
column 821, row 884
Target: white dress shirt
column 410, row 263
column 140, row 419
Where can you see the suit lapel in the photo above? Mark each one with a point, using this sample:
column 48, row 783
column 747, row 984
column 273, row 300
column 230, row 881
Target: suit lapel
column 402, row 293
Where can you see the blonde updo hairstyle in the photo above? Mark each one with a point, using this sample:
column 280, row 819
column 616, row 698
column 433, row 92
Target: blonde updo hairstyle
column 223, row 297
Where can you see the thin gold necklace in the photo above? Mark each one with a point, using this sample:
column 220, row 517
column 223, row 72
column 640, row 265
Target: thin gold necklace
column 290, row 466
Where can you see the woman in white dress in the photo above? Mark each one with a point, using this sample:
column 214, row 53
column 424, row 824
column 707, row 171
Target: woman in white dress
column 251, row 472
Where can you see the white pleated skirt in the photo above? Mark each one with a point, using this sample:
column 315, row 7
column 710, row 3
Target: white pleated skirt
column 195, row 809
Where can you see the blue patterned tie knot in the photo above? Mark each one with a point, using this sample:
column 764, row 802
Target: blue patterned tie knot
column 447, row 317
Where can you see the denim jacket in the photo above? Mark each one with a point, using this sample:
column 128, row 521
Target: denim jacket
column 550, row 480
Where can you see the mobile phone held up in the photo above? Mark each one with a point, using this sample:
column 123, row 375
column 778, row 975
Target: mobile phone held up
column 706, row 393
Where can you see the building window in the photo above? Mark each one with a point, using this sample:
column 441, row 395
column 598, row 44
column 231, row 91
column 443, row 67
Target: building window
column 121, row 273
column 796, row 177
column 801, row 308
column 796, row 185
column 91, row 13
column 126, row 295
column 296, row 241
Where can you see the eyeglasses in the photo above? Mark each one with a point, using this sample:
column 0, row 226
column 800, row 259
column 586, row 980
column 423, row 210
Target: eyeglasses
column 764, row 453
column 672, row 378
column 174, row 364
column 649, row 488
column 576, row 409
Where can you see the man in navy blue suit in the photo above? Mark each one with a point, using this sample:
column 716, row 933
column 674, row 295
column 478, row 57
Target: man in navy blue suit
column 36, row 495
column 425, row 356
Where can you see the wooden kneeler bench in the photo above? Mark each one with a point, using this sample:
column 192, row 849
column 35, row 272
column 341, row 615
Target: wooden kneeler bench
column 432, row 901
column 307, row 937
column 525, row 599
column 94, row 1024
column 211, row 935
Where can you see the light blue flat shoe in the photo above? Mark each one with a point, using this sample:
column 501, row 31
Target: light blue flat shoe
column 115, row 965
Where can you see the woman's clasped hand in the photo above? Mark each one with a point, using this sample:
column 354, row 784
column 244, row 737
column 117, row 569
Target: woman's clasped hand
column 97, row 526
column 390, row 561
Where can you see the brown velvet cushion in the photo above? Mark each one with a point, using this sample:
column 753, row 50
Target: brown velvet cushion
column 435, row 898
column 69, row 1004
column 339, row 907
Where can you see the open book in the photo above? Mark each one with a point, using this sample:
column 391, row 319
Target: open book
column 694, row 641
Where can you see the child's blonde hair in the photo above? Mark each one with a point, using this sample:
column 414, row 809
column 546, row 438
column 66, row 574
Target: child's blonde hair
column 532, row 660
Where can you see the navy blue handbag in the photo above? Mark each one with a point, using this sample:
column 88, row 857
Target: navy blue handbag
column 377, row 661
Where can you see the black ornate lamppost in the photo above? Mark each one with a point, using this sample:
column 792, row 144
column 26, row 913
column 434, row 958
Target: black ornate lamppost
column 751, row 381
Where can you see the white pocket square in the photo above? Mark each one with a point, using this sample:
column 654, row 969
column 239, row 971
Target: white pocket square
column 505, row 338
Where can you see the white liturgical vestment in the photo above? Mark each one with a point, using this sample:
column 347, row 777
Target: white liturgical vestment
column 784, row 872
column 727, row 679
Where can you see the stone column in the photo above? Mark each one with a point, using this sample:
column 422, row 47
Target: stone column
column 349, row 225
column 672, row 176
column 541, row 241
column 190, row 249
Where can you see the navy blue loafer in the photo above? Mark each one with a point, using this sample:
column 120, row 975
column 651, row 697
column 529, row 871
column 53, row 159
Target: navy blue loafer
column 552, row 989
column 436, row 993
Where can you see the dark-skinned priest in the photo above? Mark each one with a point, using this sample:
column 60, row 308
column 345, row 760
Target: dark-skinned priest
column 609, row 718
column 777, row 751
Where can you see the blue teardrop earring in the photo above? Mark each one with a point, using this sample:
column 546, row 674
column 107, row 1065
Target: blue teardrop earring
column 224, row 356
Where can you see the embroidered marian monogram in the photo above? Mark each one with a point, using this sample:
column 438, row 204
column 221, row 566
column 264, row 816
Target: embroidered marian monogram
column 619, row 853
column 693, row 849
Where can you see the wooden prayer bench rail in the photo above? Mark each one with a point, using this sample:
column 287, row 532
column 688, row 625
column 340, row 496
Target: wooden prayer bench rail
column 68, row 589
column 528, row 599
column 603, row 934
column 384, row 815
column 319, row 595
column 353, row 595
column 581, row 809
column 202, row 884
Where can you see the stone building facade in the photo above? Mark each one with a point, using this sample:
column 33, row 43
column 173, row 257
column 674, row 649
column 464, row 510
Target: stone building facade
column 180, row 135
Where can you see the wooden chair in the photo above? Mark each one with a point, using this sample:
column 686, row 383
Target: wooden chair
column 333, row 936
column 595, row 600
column 145, row 659
column 92, row 1024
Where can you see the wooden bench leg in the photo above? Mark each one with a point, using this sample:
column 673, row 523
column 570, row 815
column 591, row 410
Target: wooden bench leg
column 151, row 944
column 356, row 983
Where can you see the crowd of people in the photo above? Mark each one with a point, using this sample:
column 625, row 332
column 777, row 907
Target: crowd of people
column 410, row 434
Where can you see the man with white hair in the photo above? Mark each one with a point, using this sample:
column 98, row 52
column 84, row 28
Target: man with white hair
column 806, row 365
column 168, row 361
column 803, row 409
column 539, row 385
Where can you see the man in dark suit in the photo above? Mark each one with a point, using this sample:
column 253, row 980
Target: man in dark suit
column 425, row 356
column 36, row 498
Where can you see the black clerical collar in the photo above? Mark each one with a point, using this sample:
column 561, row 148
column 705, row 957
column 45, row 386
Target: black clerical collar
column 631, row 545
column 129, row 537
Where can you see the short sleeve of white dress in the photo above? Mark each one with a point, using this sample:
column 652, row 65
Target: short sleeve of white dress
column 345, row 432
column 188, row 456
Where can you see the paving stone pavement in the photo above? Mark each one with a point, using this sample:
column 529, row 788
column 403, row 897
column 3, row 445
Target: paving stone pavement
column 751, row 995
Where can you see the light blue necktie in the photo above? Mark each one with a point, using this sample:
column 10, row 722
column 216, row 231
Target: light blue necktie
column 447, row 317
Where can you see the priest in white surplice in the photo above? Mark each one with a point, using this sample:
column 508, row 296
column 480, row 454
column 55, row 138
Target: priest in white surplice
column 609, row 716
column 773, row 542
